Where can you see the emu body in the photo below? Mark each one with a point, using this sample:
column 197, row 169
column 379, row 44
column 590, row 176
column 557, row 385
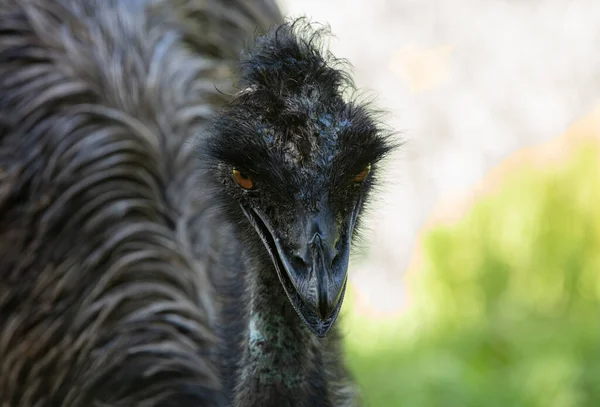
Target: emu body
column 133, row 270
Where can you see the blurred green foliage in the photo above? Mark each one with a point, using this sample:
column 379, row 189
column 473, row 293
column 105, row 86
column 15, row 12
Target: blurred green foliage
column 506, row 309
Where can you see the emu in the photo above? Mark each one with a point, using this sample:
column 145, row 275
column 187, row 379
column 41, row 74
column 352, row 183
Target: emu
column 165, row 241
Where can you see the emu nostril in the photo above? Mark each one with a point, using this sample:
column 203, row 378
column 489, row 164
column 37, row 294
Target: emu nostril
column 300, row 258
column 335, row 256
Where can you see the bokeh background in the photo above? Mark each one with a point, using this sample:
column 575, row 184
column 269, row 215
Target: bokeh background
column 480, row 282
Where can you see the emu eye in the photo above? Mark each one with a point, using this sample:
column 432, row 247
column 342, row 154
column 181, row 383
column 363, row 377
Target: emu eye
column 360, row 177
column 242, row 179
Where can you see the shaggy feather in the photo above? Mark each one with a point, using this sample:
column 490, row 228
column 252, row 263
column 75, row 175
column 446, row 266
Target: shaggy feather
column 104, row 299
column 128, row 276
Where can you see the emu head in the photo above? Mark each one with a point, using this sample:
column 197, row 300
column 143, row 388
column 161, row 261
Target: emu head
column 297, row 162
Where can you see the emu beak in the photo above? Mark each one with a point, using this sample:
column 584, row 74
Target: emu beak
column 314, row 273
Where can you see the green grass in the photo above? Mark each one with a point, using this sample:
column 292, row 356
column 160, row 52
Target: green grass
column 506, row 306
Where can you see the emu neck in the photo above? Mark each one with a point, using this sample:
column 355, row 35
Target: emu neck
column 281, row 363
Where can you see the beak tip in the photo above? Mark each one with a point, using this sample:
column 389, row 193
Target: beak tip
column 321, row 329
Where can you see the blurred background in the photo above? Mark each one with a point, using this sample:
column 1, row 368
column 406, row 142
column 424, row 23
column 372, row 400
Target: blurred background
column 480, row 282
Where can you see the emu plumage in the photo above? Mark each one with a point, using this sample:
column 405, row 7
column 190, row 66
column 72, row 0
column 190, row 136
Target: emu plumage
column 134, row 271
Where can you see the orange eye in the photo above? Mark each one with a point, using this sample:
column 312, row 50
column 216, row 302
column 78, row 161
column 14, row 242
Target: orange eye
column 363, row 174
column 242, row 179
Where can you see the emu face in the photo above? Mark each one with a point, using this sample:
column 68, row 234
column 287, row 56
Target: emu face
column 298, row 161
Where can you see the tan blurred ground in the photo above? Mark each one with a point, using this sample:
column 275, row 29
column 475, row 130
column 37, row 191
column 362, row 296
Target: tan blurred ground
column 467, row 83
